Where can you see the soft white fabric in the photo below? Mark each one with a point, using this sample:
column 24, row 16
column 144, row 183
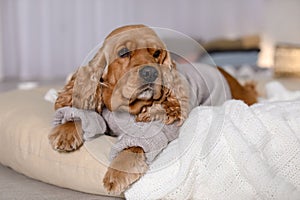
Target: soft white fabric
column 229, row 152
column 51, row 95
column 275, row 91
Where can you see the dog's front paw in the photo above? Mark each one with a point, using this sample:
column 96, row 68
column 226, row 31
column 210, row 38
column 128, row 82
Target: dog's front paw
column 116, row 182
column 124, row 170
column 66, row 137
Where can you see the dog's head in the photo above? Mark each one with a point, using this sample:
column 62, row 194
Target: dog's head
column 136, row 60
column 130, row 72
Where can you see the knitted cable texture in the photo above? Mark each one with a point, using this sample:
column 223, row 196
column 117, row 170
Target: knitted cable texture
column 229, row 152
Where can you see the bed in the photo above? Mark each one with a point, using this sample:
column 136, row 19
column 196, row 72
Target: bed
column 25, row 122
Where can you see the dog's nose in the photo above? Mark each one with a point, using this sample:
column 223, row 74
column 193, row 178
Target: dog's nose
column 148, row 73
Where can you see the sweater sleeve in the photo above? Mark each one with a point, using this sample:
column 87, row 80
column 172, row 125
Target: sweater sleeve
column 92, row 123
column 153, row 140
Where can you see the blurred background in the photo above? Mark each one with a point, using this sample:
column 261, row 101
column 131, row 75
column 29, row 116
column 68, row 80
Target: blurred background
column 49, row 39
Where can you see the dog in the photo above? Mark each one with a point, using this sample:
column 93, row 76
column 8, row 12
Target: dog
column 132, row 72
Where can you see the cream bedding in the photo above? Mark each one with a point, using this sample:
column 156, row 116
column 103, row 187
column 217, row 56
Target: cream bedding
column 25, row 121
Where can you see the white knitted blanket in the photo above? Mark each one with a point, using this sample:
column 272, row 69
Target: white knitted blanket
column 230, row 152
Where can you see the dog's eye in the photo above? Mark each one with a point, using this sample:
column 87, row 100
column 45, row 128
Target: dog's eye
column 124, row 53
column 156, row 54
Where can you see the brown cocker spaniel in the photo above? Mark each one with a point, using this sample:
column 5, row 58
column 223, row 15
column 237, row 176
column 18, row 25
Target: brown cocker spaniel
column 132, row 72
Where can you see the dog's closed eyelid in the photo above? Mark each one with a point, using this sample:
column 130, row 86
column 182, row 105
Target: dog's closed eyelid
column 124, row 52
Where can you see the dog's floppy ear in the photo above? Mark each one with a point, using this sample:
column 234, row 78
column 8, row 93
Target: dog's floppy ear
column 84, row 90
column 177, row 92
column 87, row 91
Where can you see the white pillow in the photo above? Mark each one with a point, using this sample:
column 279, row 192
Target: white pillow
column 25, row 122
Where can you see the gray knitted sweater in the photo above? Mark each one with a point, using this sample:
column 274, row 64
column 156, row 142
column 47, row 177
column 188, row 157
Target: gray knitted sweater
column 208, row 87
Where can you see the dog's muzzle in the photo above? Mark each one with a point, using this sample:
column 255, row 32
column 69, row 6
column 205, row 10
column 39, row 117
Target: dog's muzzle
column 148, row 73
